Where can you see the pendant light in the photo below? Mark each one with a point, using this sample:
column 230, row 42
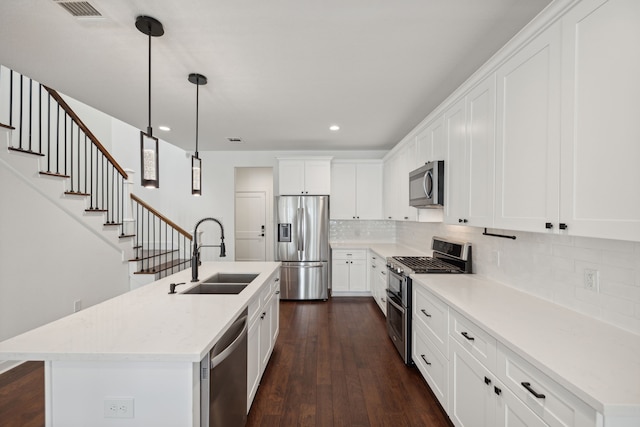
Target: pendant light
column 196, row 162
column 148, row 143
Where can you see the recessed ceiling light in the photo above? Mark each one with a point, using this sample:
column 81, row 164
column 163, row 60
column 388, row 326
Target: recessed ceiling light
column 334, row 128
column 164, row 128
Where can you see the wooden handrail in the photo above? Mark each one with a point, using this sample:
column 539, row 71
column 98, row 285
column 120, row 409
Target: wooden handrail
column 162, row 217
column 85, row 129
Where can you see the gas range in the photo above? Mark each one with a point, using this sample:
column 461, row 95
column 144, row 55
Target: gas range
column 448, row 257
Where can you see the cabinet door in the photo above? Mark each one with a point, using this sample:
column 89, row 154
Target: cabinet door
column 317, row 177
column 275, row 314
column 254, row 362
column 471, row 401
column 291, row 177
column 339, row 275
column 455, row 167
column 527, row 137
column 512, row 412
column 343, row 191
column 601, row 139
column 480, row 154
column 391, row 189
column 368, row 191
column 266, row 342
column 406, row 163
column 358, row 275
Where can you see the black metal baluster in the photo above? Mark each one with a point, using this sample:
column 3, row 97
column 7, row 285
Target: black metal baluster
column 85, row 165
column 66, row 115
column 48, row 132
column 148, row 234
column 30, row 111
column 58, row 141
column 91, row 177
column 40, row 118
column 20, row 118
column 71, row 154
column 11, row 98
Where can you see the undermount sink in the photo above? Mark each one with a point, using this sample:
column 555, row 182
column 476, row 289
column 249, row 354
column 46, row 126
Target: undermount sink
column 231, row 278
column 223, row 283
column 217, row 288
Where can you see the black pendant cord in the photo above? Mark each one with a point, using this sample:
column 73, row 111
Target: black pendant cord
column 497, row 235
column 149, row 129
column 197, row 114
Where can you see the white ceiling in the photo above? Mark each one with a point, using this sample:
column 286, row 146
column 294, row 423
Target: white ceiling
column 280, row 71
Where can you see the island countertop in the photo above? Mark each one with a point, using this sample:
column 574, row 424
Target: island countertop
column 146, row 324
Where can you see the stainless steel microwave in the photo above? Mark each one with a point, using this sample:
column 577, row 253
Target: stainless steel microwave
column 426, row 186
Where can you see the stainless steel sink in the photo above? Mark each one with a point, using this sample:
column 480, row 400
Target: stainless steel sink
column 217, row 288
column 223, row 283
column 231, row 278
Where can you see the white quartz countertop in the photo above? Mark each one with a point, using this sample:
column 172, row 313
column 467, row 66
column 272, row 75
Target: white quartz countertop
column 382, row 249
column 597, row 362
column 145, row 324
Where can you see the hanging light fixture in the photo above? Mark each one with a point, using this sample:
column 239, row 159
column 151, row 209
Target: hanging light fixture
column 148, row 143
column 196, row 162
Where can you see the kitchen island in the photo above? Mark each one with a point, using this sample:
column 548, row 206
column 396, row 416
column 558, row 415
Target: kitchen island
column 145, row 346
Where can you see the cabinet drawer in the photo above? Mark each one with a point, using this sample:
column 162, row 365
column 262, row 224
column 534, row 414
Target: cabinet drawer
column 476, row 341
column 558, row 408
column 347, row 254
column 432, row 365
column 432, row 316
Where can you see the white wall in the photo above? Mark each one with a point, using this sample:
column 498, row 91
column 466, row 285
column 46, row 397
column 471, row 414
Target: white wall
column 47, row 259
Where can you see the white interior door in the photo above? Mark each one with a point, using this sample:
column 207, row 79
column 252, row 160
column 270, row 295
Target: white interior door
column 251, row 222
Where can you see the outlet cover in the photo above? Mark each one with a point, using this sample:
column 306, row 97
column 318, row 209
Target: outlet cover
column 118, row 407
column 591, row 280
column 77, row 306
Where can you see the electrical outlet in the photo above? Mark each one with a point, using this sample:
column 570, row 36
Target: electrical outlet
column 496, row 258
column 591, row 280
column 118, row 408
column 77, row 306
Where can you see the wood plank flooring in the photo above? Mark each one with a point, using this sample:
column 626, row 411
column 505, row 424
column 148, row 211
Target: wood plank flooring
column 333, row 365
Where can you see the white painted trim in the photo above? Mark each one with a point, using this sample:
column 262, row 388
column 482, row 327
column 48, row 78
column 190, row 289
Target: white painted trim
column 7, row 365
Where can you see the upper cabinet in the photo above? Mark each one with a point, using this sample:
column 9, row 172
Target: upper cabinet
column 470, row 132
column 356, row 189
column 431, row 144
column 396, row 183
column 528, row 135
column 310, row 176
column 601, row 68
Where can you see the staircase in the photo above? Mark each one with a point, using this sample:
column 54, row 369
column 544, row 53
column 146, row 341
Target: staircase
column 48, row 144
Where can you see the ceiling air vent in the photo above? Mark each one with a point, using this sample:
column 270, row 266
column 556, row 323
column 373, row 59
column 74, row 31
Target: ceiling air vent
column 233, row 140
column 79, row 9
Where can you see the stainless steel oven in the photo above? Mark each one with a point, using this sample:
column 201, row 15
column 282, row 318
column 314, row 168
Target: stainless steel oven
column 399, row 311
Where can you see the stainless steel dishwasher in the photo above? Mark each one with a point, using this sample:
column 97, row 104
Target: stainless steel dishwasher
column 223, row 379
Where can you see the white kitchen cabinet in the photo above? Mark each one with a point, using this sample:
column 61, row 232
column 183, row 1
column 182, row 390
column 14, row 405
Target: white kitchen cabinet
column 264, row 325
column 349, row 272
column 304, row 176
column 601, row 136
column 356, row 190
column 396, row 183
column 430, row 142
column 471, row 395
column 470, row 187
column 528, row 135
column 378, row 280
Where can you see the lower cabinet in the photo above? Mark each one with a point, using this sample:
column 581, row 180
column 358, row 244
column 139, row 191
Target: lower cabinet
column 264, row 314
column 349, row 272
column 480, row 382
column 378, row 280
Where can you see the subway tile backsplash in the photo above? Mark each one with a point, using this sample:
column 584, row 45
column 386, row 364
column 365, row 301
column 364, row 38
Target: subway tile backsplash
column 368, row 231
column 550, row 267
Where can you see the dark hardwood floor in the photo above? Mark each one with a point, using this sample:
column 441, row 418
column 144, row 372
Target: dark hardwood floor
column 333, row 365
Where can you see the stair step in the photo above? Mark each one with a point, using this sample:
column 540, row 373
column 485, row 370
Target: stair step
column 54, row 174
column 125, row 236
column 22, row 150
column 2, row 125
column 96, row 210
column 166, row 266
column 76, row 193
column 153, row 253
column 112, row 224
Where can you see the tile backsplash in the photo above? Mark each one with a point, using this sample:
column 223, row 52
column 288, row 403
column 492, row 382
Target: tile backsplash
column 369, row 231
column 551, row 267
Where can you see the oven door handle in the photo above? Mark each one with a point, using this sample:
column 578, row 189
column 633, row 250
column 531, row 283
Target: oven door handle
column 390, row 300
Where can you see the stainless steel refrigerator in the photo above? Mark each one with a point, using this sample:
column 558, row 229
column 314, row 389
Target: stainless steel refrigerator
column 302, row 245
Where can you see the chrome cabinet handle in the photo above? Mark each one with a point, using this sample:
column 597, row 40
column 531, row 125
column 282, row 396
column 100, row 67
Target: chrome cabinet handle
column 425, row 360
column 532, row 391
column 466, row 335
column 425, row 313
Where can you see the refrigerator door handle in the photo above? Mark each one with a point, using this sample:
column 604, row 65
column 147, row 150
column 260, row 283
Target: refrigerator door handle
column 305, row 265
column 301, row 229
